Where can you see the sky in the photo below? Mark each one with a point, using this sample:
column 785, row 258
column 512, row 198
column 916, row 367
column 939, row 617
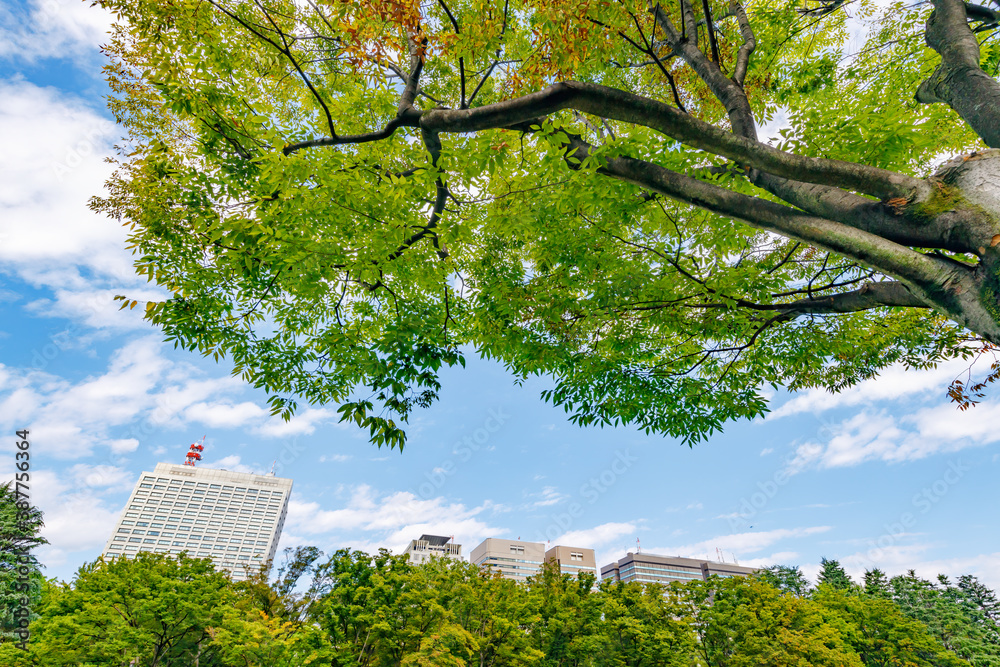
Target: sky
column 887, row 474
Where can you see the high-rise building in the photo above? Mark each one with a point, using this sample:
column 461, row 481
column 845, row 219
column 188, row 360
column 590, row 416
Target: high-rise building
column 650, row 568
column 572, row 560
column 433, row 546
column 513, row 559
column 234, row 518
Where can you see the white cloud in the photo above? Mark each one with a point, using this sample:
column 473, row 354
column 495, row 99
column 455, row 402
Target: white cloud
column 892, row 384
column 224, row 415
column 870, row 436
column 740, row 543
column 302, row 423
column 76, row 518
column 596, row 537
column 102, row 476
column 391, row 520
column 898, row 559
column 52, row 29
column 549, row 495
column 230, row 463
column 139, row 388
column 335, row 458
column 47, row 229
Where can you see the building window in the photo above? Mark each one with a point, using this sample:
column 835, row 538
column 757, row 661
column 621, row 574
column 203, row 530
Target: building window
column 573, row 555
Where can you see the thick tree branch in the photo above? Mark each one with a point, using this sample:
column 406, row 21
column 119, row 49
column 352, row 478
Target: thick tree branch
column 406, row 114
column 730, row 95
column 962, row 231
column 959, row 81
column 626, row 107
column 749, row 42
column 935, row 281
column 870, row 295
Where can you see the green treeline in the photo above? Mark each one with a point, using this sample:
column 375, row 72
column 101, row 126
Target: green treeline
column 380, row 611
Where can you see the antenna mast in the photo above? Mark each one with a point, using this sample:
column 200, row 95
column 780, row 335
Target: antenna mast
column 194, row 452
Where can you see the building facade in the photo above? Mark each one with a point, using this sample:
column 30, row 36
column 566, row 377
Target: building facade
column 573, row 560
column 433, row 546
column 513, row 559
column 650, row 568
column 233, row 518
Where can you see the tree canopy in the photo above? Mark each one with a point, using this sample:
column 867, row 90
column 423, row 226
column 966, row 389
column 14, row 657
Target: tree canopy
column 381, row 611
column 356, row 194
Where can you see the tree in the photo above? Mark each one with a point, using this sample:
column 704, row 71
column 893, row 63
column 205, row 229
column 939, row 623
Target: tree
column 567, row 630
column 646, row 625
column 879, row 632
column 744, row 621
column 151, row 610
column 20, row 572
column 876, row 583
column 951, row 615
column 832, row 574
column 785, row 578
column 578, row 188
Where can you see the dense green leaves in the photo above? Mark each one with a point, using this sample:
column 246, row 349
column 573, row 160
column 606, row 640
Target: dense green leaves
column 308, row 225
column 380, row 611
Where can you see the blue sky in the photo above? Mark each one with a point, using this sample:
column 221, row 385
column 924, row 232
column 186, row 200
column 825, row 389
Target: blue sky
column 887, row 474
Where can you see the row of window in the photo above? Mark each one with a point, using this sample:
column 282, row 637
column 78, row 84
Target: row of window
column 662, row 578
column 207, row 538
column 200, row 554
column 235, row 502
column 658, row 568
column 163, row 482
column 202, row 519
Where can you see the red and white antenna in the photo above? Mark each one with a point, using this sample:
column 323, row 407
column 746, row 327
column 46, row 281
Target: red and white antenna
column 638, row 547
column 194, row 452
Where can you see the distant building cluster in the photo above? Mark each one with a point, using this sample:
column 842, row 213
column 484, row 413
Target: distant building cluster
column 518, row 560
column 236, row 520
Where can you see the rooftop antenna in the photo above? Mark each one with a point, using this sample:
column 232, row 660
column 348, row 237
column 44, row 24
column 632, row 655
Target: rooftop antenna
column 194, row 452
column 638, row 547
column 734, row 558
column 718, row 553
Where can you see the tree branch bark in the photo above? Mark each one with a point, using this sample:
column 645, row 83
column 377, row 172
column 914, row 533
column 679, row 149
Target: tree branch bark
column 959, row 81
column 626, row 107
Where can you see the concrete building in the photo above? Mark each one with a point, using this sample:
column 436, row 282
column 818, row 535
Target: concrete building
column 513, row 559
column 433, row 546
column 234, row 518
column 650, row 568
column 572, row 560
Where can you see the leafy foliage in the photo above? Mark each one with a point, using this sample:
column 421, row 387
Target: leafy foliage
column 310, row 184
column 20, row 572
column 379, row 610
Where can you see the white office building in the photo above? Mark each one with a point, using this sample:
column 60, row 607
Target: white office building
column 234, row 518
column 433, row 546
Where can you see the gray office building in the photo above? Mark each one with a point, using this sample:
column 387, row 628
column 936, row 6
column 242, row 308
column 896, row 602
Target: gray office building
column 650, row 568
column 573, row 561
column 513, row 559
